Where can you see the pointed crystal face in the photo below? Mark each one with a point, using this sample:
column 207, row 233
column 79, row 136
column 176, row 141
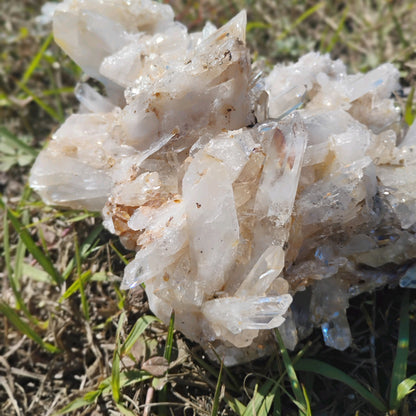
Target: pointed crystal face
column 253, row 202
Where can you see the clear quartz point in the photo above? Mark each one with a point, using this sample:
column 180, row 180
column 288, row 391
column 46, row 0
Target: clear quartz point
column 254, row 199
column 336, row 331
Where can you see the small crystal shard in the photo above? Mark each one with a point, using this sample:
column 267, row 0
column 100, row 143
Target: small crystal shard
column 252, row 202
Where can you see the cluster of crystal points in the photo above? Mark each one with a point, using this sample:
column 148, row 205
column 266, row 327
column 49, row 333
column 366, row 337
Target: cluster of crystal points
column 253, row 201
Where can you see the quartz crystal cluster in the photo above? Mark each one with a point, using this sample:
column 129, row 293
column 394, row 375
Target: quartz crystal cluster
column 253, row 201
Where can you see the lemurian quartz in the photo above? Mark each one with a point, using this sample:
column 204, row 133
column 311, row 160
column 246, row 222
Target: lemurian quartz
column 252, row 201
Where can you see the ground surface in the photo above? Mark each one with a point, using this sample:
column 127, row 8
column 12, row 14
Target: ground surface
column 61, row 332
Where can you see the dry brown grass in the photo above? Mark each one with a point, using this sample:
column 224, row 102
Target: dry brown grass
column 34, row 381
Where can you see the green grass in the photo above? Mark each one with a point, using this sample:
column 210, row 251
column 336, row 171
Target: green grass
column 400, row 385
column 300, row 398
column 72, row 342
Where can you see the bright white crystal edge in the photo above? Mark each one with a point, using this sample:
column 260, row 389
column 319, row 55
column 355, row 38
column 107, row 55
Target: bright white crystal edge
column 226, row 220
column 194, row 207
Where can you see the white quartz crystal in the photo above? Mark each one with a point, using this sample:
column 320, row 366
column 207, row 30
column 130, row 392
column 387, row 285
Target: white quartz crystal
column 252, row 202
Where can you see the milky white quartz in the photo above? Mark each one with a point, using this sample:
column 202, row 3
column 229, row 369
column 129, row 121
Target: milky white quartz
column 252, row 202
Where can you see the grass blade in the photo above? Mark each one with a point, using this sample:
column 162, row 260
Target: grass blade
column 115, row 370
column 84, row 302
column 232, row 384
column 115, row 376
column 19, row 261
column 6, row 251
column 76, row 285
column 337, row 33
column 86, row 248
column 169, row 340
column 405, row 43
column 216, row 401
column 139, row 327
column 36, row 252
column 20, row 255
column 60, row 91
column 257, row 25
column 268, row 401
column 405, row 387
column 328, row 371
column 235, row 405
column 87, row 400
column 402, row 353
column 81, row 217
column 36, row 274
column 127, row 378
column 40, row 102
column 8, row 261
column 15, row 142
column 307, row 402
column 300, row 19
column 12, row 274
column 120, row 256
column 24, row 328
column 409, row 115
column 277, row 403
column 124, row 410
column 296, row 387
column 36, row 59
column 258, row 398
column 168, row 355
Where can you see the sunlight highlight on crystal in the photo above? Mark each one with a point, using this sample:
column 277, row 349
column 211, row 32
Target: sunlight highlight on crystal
column 253, row 201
